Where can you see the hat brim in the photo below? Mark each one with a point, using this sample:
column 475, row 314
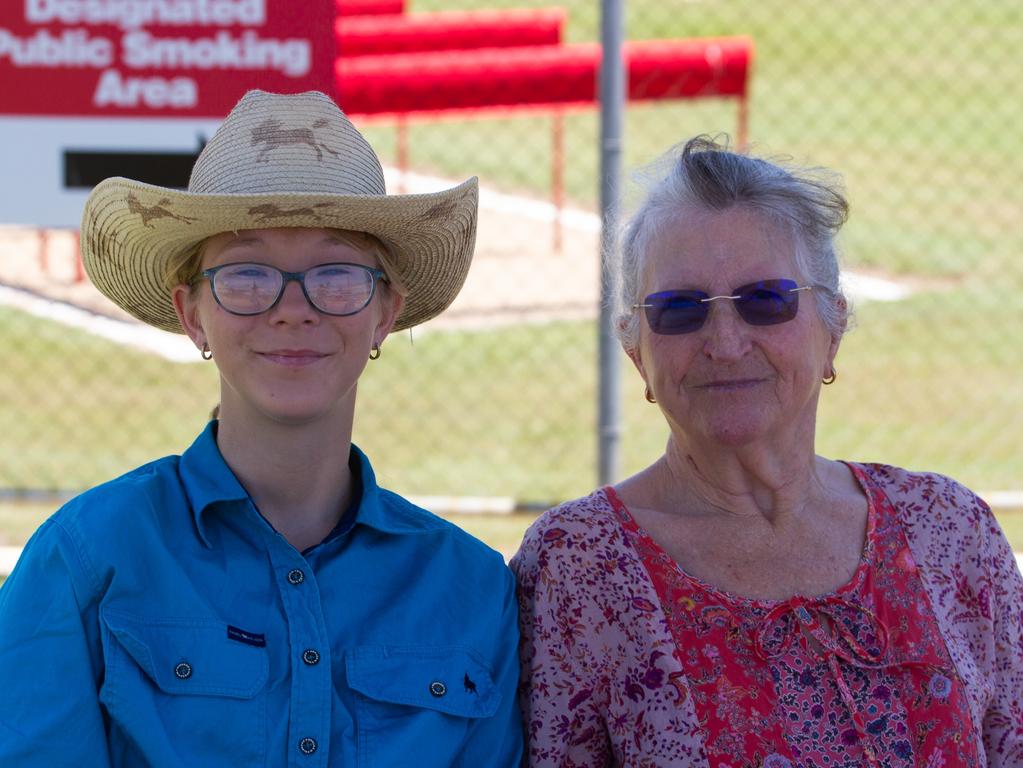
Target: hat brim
column 130, row 230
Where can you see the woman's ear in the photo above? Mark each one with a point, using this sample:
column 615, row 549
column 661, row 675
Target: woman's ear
column 832, row 354
column 391, row 303
column 187, row 309
column 632, row 350
column 637, row 360
column 836, row 338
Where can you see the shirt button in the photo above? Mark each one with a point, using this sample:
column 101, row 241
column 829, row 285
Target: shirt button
column 438, row 689
column 183, row 671
column 296, row 577
column 311, row 657
column 307, row 746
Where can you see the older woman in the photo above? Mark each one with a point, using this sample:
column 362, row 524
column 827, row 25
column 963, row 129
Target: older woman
column 743, row 601
column 260, row 600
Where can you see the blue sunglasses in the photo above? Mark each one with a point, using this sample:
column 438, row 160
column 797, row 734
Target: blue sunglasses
column 765, row 302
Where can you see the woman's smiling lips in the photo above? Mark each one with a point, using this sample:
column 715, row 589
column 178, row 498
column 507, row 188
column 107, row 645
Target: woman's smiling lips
column 292, row 358
column 728, row 385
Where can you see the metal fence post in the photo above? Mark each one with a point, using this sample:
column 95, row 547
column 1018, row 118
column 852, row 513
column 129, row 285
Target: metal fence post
column 612, row 108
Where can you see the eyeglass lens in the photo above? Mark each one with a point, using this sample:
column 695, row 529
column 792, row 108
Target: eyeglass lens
column 335, row 289
column 766, row 302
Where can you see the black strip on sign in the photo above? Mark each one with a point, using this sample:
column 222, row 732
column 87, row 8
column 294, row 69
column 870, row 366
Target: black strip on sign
column 84, row 170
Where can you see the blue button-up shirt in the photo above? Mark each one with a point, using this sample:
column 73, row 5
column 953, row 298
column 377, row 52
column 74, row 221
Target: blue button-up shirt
column 159, row 620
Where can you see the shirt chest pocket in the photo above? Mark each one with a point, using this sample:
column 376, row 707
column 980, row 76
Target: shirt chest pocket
column 417, row 704
column 180, row 691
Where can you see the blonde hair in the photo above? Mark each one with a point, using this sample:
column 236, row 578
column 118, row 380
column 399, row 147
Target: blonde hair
column 183, row 266
column 375, row 247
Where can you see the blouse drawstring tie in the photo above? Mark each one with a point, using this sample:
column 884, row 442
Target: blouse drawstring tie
column 821, row 619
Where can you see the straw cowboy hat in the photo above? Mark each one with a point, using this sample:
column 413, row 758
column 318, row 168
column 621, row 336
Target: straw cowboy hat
column 277, row 161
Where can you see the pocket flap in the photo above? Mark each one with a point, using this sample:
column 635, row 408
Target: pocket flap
column 191, row 656
column 449, row 679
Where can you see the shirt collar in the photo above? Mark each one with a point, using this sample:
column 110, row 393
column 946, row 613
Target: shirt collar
column 386, row 511
column 208, row 480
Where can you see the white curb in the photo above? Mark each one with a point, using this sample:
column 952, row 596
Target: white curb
column 8, row 557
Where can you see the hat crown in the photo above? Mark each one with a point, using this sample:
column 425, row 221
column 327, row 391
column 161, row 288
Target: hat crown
column 287, row 144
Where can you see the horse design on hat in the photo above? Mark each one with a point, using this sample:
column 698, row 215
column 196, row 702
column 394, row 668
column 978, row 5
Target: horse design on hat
column 158, row 211
column 440, row 209
column 270, row 211
column 274, row 135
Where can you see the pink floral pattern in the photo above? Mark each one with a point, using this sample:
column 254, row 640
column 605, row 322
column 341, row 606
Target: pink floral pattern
column 629, row 661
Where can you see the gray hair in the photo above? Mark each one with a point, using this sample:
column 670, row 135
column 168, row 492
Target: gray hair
column 708, row 177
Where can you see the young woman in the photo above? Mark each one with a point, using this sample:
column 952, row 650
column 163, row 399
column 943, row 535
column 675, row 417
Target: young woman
column 259, row 600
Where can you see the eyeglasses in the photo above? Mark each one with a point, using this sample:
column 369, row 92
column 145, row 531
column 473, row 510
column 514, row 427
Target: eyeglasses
column 334, row 289
column 766, row 302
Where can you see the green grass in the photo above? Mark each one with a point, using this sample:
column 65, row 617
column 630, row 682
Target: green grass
column 81, row 409
column 502, row 532
column 18, row 521
column 924, row 385
column 1012, row 526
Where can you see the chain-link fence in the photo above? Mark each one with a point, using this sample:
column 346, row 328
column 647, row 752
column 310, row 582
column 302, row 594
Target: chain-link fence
column 916, row 102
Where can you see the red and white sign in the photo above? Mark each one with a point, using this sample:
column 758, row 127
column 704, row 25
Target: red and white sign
column 167, row 58
column 96, row 88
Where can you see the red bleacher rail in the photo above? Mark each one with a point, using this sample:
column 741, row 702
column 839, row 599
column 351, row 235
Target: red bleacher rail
column 368, row 7
column 549, row 75
column 448, row 30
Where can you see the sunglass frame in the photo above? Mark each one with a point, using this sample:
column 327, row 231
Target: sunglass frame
column 740, row 295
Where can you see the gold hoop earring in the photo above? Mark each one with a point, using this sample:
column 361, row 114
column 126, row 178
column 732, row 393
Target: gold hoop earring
column 375, row 352
column 206, row 352
column 830, row 379
column 649, row 396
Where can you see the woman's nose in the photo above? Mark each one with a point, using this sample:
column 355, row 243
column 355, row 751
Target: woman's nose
column 293, row 305
column 726, row 335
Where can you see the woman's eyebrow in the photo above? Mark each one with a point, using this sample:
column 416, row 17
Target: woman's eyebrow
column 246, row 240
column 241, row 242
column 334, row 240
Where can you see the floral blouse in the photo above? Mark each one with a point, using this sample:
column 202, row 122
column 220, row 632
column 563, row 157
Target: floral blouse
column 916, row 661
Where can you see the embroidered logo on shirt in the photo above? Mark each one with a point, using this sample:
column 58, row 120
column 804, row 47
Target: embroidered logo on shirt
column 470, row 686
column 249, row 638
